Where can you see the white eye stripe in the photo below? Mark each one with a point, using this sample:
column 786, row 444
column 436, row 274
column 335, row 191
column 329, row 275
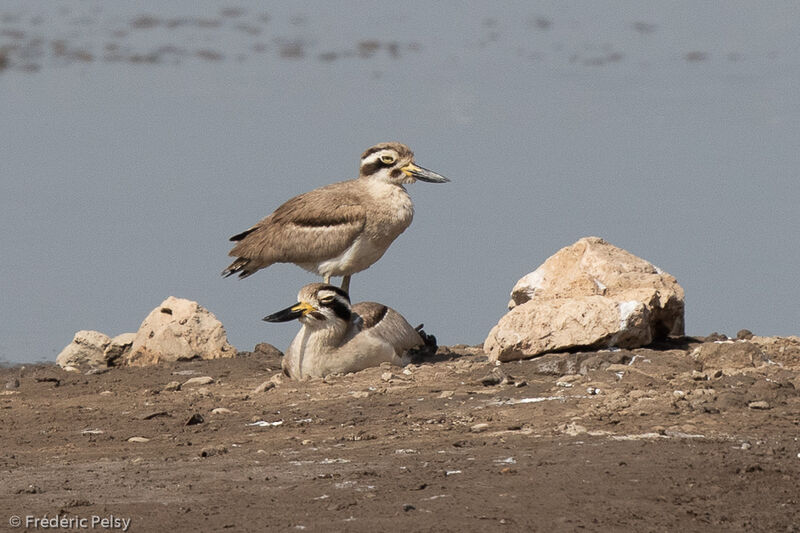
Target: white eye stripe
column 385, row 156
column 326, row 296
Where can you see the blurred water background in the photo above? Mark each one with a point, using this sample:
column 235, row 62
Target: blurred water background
column 138, row 136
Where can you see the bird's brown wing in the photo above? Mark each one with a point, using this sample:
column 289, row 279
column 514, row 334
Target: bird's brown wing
column 388, row 324
column 312, row 227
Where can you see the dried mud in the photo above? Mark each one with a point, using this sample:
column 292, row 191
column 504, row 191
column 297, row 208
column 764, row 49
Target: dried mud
column 664, row 439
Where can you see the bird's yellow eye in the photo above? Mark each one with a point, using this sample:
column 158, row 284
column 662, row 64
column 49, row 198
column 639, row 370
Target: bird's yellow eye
column 388, row 159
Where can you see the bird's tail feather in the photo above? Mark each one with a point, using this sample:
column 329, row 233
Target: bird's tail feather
column 238, row 267
column 426, row 351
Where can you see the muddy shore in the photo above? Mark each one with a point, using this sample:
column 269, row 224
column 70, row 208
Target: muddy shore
column 692, row 435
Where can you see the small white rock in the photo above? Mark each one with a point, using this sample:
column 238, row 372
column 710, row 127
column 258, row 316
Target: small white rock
column 138, row 439
column 264, row 387
column 198, row 381
column 172, row 386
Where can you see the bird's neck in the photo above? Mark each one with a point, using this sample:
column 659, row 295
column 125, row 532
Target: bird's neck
column 382, row 182
column 328, row 335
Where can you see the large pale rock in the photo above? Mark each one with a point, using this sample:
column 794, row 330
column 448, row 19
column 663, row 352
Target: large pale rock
column 118, row 347
column 730, row 357
column 87, row 349
column 588, row 295
column 178, row 329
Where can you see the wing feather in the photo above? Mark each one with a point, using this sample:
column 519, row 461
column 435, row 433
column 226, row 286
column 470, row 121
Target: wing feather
column 388, row 324
column 311, row 227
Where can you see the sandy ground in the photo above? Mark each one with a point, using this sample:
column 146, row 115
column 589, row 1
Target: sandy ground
column 666, row 439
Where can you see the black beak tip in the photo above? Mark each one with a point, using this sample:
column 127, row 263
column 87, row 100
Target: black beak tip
column 284, row 315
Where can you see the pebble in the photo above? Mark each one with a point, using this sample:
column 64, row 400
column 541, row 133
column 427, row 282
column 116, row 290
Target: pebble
column 572, row 429
column 388, row 376
column 198, row 381
column 359, row 394
column 264, row 387
column 152, row 414
column 210, row 451
column 196, row 418
column 761, row 404
column 479, row 428
column 220, row 411
column 31, row 489
column 172, row 386
column 490, row 379
column 447, row 394
column 138, row 439
column 12, row 384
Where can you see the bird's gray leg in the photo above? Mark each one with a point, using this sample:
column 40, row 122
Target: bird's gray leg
column 326, row 279
column 346, row 284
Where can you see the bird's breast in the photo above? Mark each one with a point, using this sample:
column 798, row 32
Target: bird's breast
column 390, row 212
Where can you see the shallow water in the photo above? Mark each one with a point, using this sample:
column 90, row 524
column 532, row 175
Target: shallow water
column 139, row 136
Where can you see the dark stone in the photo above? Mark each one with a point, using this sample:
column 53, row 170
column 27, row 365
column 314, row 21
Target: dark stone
column 196, row 418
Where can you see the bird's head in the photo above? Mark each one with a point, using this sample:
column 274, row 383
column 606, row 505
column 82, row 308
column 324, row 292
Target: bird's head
column 393, row 163
column 318, row 305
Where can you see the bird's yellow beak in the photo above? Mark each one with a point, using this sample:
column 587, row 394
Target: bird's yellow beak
column 303, row 308
column 415, row 171
column 290, row 313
